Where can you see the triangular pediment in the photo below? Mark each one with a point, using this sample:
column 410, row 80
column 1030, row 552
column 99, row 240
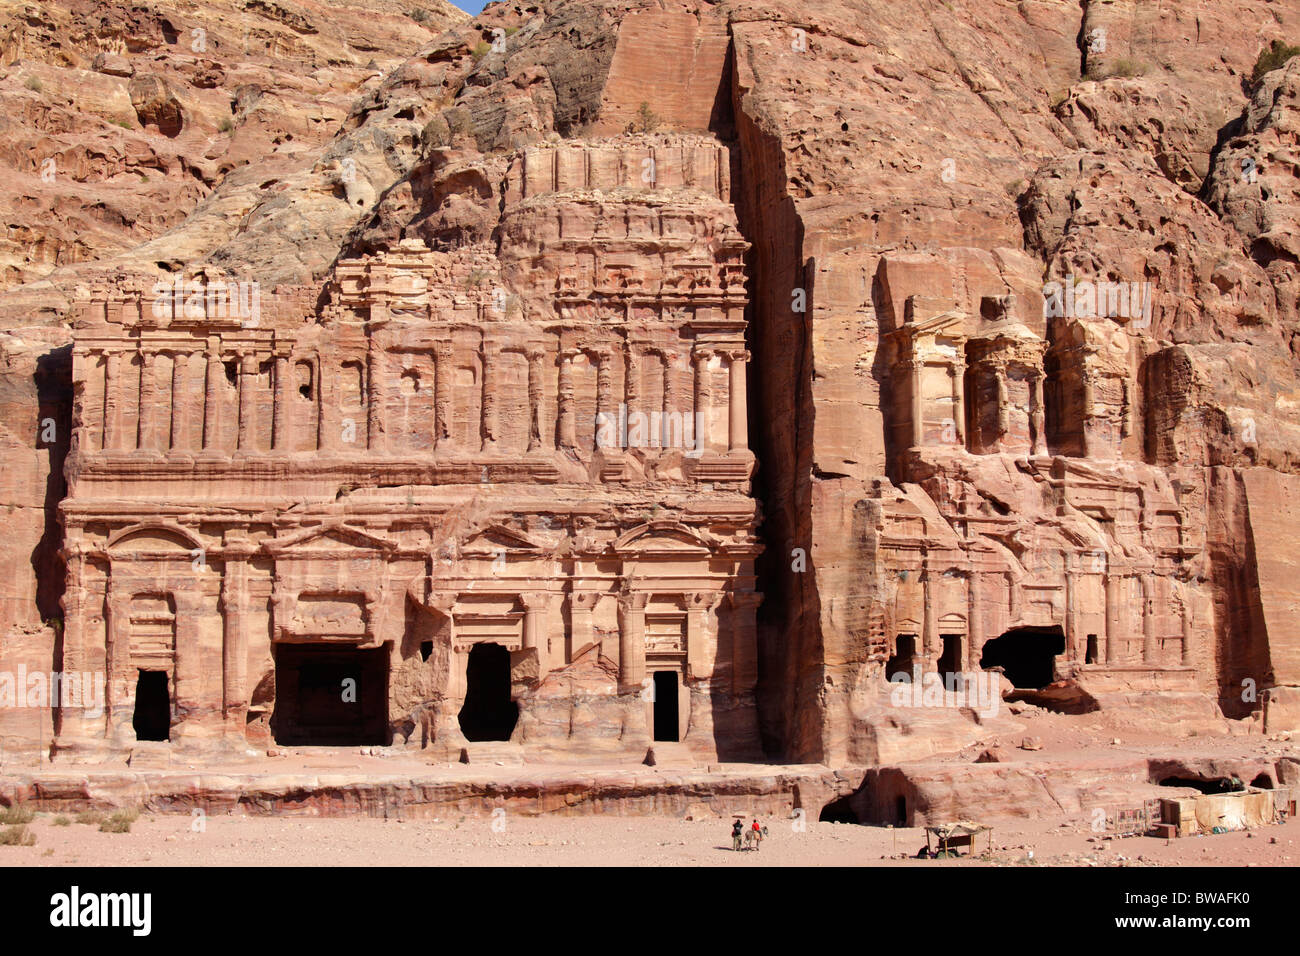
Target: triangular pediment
column 496, row 538
column 335, row 538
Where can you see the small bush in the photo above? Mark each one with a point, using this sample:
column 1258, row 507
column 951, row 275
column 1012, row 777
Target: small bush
column 120, row 821
column 18, row 814
column 1271, row 59
column 62, row 821
column 481, row 49
column 90, row 817
column 419, row 15
column 227, row 125
column 17, row 836
column 33, row 84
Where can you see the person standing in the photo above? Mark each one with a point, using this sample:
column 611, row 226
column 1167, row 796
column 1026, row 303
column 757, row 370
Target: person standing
column 737, row 832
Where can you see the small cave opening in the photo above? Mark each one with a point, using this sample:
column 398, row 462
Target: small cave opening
column 1027, row 655
column 489, row 713
column 903, row 658
column 1263, row 782
column 152, row 719
column 838, row 811
column 426, row 650
column 1221, row 785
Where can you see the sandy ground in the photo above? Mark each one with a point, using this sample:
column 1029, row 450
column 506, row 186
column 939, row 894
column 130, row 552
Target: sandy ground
column 173, row 840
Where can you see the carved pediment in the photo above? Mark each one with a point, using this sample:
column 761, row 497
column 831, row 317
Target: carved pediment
column 339, row 539
column 154, row 539
column 495, row 538
column 665, row 538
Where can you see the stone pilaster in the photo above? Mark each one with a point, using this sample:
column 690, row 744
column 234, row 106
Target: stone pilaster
column 631, row 640
column 737, row 399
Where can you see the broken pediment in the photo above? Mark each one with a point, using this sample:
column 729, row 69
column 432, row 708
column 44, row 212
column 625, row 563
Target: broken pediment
column 154, row 539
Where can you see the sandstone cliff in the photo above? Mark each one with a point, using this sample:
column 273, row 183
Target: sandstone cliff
column 910, row 176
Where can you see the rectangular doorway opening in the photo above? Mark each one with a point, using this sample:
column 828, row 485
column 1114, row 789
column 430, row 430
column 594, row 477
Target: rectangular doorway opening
column 152, row 719
column 665, row 714
column 903, row 658
column 950, row 660
column 330, row 695
column 1090, row 653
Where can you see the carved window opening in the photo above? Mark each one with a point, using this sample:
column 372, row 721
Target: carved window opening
column 353, row 392
column 665, row 707
column 305, row 379
column 1090, row 655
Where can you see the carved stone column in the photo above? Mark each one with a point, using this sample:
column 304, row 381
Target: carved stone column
column 974, row 620
column 958, row 372
column 930, row 624
column 917, row 368
column 112, row 400
column 117, row 656
column 703, row 398
column 738, row 420
column 581, row 632
column 536, row 604
column 631, row 640
column 247, row 402
column 234, row 645
column 187, row 669
column 182, row 436
column 76, row 603
column 539, row 436
column 568, row 413
column 631, row 380
column 490, row 422
column 442, row 425
column 1038, row 417
column 1150, row 639
column 280, row 417
column 671, row 401
column 1187, row 626
column 376, row 379
column 701, row 652
column 604, row 391
column 147, row 438
column 1113, row 616
column 1004, row 401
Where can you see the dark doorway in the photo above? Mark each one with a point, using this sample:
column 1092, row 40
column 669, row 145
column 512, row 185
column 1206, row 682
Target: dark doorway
column 1263, row 782
column 1090, row 656
column 153, row 706
column 950, row 660
column 666, row 706
column 489, row 713
column 904, row 657
column 1027, row 655
column 331, row 696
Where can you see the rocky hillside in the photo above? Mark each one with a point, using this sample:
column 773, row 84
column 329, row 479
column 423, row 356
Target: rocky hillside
column 117, row 121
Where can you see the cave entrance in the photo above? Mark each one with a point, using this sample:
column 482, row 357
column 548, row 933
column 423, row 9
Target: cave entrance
column 489, row 713
column 665, row 713
column 152, row 719
column 950, row 660
column 1027, row 655
column 331, row 696
column 903, row 658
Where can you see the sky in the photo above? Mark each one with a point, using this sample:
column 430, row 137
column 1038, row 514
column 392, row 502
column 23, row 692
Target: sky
column 472, row 7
